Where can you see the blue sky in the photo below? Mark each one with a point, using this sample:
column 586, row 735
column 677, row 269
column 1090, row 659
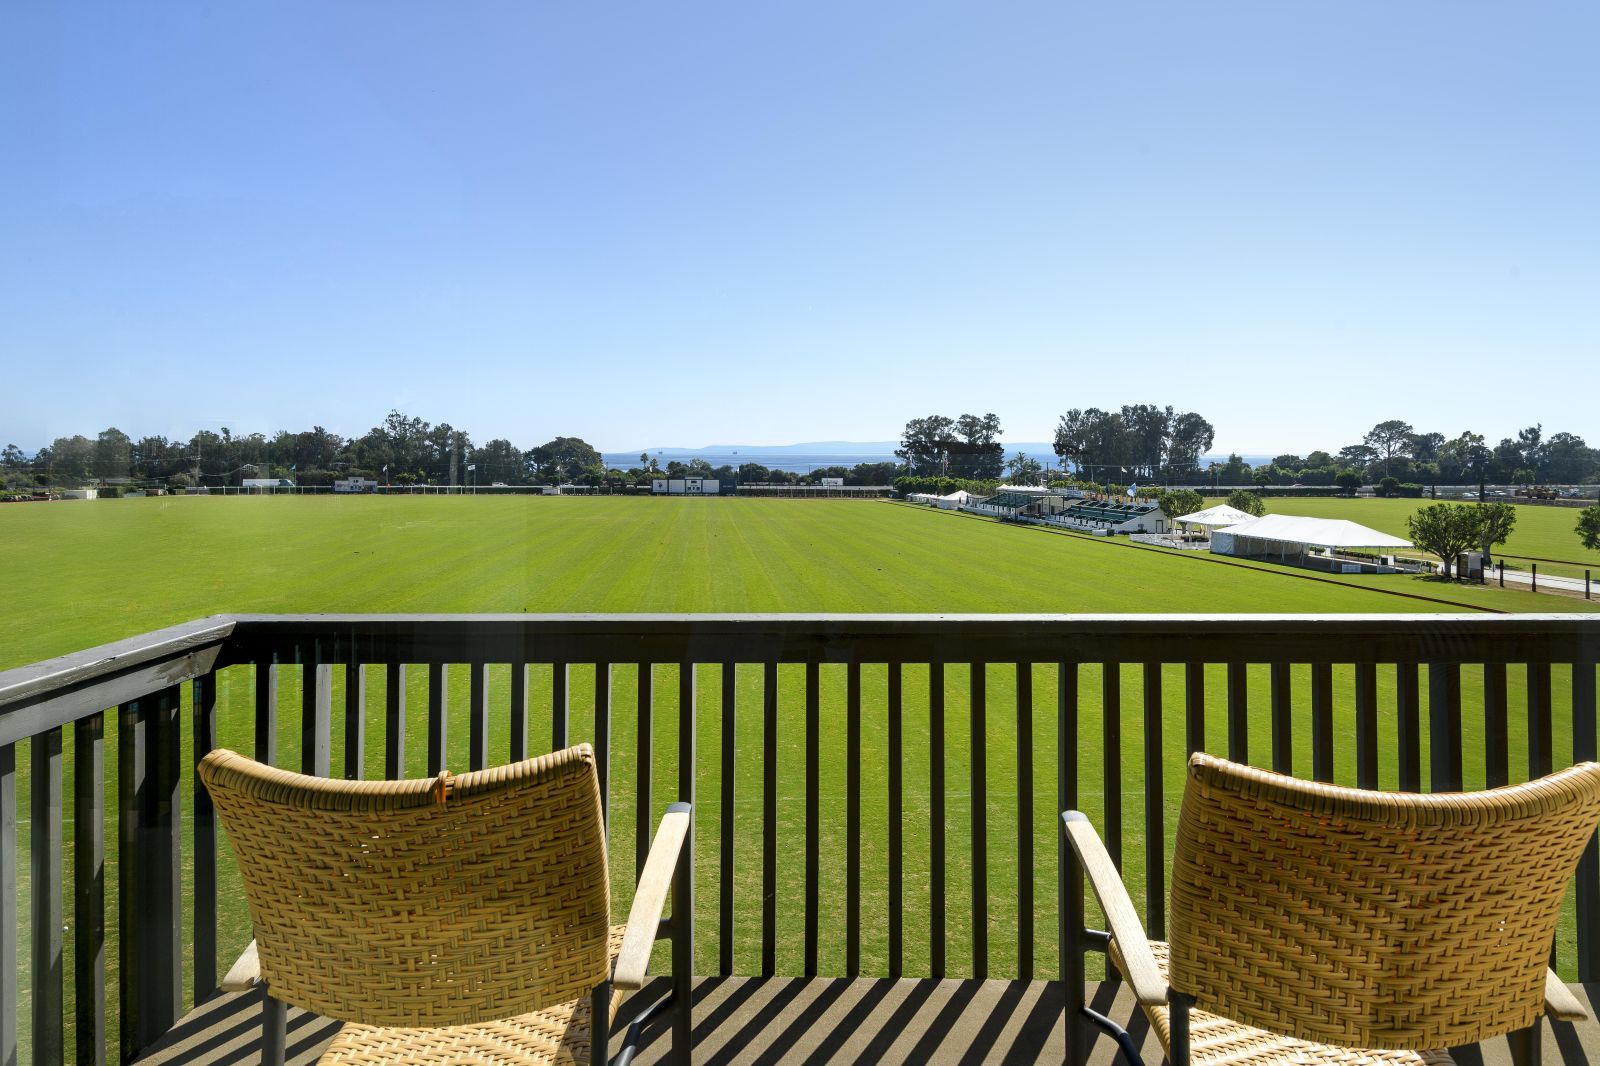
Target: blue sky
column 691, row 224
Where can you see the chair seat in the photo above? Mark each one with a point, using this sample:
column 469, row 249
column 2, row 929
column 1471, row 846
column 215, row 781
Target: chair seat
column 559, row 1034
column 1216, row 1040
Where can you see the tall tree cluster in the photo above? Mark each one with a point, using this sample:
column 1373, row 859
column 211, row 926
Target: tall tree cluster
column 965, row 447
column 1138, row 441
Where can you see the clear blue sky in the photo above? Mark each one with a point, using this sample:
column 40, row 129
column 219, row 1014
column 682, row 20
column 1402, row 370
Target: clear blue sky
column 687, row 224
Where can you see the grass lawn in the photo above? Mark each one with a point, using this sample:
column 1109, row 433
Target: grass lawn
column 84, row 573
column 1543, row 533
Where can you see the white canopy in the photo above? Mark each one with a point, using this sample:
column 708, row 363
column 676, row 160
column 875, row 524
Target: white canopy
column 1211, row 517
column 1319, row 532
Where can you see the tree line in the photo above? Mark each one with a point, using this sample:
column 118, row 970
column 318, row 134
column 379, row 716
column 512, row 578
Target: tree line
column 402, row 450
column 1394, row 452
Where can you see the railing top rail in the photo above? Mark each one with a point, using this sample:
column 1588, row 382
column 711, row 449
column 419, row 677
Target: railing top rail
column 915, row 638
column 55, row 691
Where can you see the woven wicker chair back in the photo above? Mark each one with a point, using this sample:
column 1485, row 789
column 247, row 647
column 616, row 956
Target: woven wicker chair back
column 1372, row 919
column 443, row 901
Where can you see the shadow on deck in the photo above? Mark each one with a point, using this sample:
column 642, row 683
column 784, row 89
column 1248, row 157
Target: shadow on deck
column 773, row 1021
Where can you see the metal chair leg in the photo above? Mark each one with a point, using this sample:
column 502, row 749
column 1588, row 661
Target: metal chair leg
column 274, row 1030
column 1527, row 1045
column 1179, row 1022
column 600, row 1023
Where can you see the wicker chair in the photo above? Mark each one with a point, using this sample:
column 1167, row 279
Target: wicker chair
column 453, row 919
column 1311, row 923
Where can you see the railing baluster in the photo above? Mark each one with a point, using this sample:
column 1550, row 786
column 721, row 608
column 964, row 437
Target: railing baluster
column 1444, row 726
column 519, row 707
column 683, row 886
column 316, row 716
column 204, row 710
column 852, row 756
column 1194, row 707
column 1496, row 728
column 1541, row 749
column 1024, row 822
column 769, row 819
column 355, row 721
column 813, row 808
column 560, row 706
column 1282, row 720
column 726, row 828
column 1322, row 721
column 896, row 812
column 8, row 904
column 1155, row 846
column 1366, row 725
column 1238, row 713
column 978, row 684
column 644, row 799
column 478, row 716
column 438, row 715
column 149, row 896
column 266, row 682
column 1069, row 961
column 602, row 729
column 89, row 885
column 1409, row 728
column 1541, row 745
column 936, row 806
column 1111, row 755
column 394, row 725
column 1588, row 877
column 45, row 850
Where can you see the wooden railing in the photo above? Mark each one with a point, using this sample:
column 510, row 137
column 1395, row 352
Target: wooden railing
column 937, row 734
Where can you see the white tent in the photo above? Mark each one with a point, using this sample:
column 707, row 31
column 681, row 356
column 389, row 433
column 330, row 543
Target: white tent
column 1285, row 534
column 1213, row 517
column 1320, row 532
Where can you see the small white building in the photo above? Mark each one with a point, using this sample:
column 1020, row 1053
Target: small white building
column 687, row 486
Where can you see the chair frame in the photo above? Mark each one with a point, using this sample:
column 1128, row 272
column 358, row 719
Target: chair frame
column 1085, row 858
column 668, row 872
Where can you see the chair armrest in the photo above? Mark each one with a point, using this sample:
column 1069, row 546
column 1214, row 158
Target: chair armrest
column 1126, row 929
column 245, row 973
column 1560, row 1003
column 644, row 917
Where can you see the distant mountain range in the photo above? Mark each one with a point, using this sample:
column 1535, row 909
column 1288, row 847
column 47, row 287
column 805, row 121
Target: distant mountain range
column 812, row 454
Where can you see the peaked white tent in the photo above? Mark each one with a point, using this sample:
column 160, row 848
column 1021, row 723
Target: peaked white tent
column 1292, row 536
column 1316, row 532
column 1214, row 517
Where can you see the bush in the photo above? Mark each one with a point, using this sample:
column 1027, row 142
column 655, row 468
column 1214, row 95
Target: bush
column 1388, row 486
column 110, row 492
column 1248, row 502
column 1349, row 480
column 1411, row 490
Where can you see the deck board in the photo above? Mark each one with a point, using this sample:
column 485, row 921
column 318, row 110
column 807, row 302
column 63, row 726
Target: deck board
column 783, row 1021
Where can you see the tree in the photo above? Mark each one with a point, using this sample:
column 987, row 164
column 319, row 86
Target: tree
column 1348, row 479
column 925, row 445
column 1445, row 530
column 1234, row 472
column 1588, row 528
column 1181, row 502
column 1495, row 522
column 1247, row 501
column 753, row 473
column 1389, row 439
column 1024, row 469
column 1388, row 486
column 567, row 459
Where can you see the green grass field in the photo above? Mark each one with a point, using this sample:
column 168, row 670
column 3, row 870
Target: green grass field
column 85, row 573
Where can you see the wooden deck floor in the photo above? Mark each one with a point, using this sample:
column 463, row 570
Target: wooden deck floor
column 782, row 1021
